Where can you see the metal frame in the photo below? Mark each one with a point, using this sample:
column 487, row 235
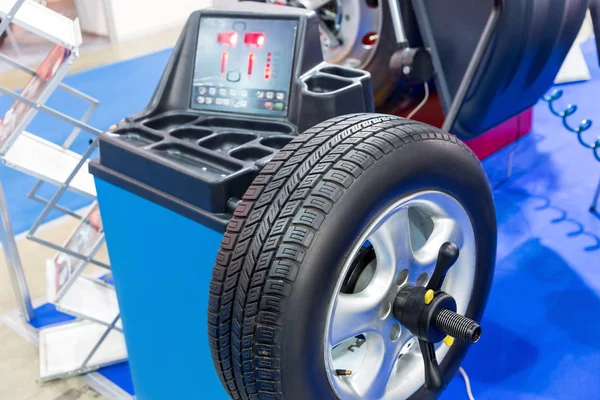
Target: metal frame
column 594, row 206
column 68, row 142
column 79, row 125
column 77, row 271
column 13, row 41
column 11, row 15
column 474, row 65
column 86, row 252
column 38, row 104
column 13, row 261
column 84, row 262
column 397, row 22
column 102, row 339
column 51, row 205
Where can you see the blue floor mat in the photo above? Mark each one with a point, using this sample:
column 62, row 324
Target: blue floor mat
column 123, row 89
column 541, row 325
column 46, row 314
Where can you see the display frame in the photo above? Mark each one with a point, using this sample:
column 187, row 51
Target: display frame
column 214, row 13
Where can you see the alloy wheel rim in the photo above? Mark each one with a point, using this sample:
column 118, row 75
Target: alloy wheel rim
column 362, row 335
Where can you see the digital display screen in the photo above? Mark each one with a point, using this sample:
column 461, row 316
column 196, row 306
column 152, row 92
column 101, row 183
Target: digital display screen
column 244, row 65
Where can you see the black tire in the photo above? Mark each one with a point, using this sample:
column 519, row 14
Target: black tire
column 306, row 209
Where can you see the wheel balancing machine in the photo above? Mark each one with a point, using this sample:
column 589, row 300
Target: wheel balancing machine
column 272, row 238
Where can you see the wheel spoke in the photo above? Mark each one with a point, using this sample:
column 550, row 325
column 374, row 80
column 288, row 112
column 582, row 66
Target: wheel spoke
column 378, row 368
column 391, row 240
column 444, row 230
column 354, row 314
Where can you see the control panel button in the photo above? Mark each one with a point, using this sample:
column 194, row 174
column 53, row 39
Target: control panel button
column 200, row 99
column 269, row 105
column 280, row 95
column 279, row 106
column 270, row 95
column 234, row 76
column 209, row 100
column 202, row 90
column 212, row 91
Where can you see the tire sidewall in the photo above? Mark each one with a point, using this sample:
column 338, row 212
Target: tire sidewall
column 439, row 165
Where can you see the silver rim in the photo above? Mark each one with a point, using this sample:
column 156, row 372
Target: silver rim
column 362, row 335
column 344, row 24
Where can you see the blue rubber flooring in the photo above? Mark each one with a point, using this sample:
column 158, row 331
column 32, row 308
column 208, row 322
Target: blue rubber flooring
column 542, row 323
column 543, row 317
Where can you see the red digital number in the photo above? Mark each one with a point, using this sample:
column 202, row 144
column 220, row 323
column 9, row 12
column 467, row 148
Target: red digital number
column 255, row 39
column 228, row 39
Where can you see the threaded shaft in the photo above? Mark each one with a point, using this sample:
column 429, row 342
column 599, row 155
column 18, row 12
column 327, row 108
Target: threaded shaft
column 457, row 326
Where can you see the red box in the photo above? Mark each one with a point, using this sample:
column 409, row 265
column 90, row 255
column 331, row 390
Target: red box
column 488, row 143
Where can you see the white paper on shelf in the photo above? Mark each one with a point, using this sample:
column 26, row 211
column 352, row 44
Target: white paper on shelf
column 37, row 91
column 64, row 348
column 45, row 22
column 47, row 161
column 91, row 298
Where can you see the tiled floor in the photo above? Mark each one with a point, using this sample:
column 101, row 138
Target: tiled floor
column 19, row 365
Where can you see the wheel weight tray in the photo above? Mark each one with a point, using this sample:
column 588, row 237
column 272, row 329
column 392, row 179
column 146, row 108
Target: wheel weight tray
column 202, row 160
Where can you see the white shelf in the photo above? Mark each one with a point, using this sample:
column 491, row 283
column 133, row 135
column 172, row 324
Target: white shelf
column 49, row 162
column 90, row 298
column 64, row 348
column 45, row 22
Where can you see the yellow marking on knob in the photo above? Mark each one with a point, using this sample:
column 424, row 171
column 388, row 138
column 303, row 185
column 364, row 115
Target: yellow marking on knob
column 112, row 127
column 429, row 295
column 448, row 341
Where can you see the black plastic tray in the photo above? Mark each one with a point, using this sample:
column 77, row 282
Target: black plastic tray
column 201, row 163
column 201, row 159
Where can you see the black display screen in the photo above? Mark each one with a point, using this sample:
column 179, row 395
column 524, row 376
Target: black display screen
column 244, row 65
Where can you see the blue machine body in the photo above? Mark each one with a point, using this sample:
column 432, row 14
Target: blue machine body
column 169, row 177
column 162, row 264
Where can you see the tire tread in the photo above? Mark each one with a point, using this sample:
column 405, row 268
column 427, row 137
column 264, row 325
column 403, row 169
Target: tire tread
column 273, row 227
